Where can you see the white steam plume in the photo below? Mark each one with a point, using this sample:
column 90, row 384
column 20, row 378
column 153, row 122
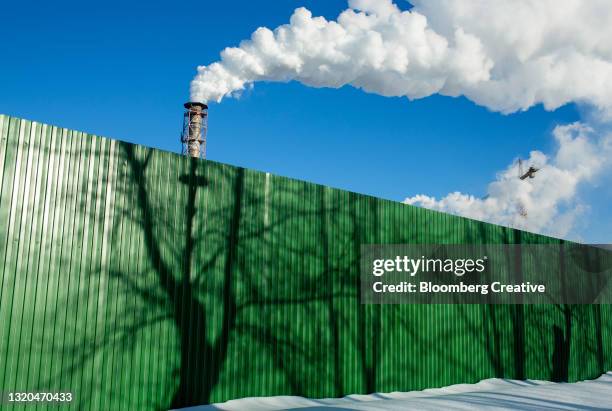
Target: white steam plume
column 507, row 55
column 550, row 200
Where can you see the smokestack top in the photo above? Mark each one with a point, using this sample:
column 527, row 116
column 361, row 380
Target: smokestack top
column 193, row 136
column 192, row 104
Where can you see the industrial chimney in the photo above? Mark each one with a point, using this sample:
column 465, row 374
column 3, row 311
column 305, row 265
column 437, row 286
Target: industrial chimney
column 194, row 129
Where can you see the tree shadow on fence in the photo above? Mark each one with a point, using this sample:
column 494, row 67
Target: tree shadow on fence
column 184, row 282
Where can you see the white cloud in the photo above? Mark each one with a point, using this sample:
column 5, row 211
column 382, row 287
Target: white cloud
column 507, row 55
column 551, row 199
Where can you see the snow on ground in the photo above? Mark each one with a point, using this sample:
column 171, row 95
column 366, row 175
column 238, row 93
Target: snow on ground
column 491, row 394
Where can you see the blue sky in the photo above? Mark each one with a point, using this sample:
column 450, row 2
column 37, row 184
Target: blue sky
column 123, row 71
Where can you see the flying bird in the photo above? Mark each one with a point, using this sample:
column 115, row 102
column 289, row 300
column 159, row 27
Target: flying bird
column 530, row 173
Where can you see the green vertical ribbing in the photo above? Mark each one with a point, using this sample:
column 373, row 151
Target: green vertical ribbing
column 141, row 279
column 36, row 293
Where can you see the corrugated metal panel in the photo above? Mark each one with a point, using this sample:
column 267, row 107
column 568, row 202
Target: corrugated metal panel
column 140, row 279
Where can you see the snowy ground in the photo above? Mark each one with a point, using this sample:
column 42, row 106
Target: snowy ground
column 491, row 394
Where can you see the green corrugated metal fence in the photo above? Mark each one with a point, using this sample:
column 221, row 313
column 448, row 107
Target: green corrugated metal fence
column 140, row 279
